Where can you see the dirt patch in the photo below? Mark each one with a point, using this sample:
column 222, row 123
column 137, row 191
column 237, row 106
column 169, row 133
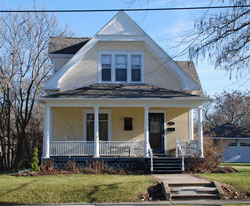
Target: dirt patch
column 154, row 193
column 232, row 193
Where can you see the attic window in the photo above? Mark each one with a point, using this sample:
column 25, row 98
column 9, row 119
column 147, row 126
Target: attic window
column 121, row 67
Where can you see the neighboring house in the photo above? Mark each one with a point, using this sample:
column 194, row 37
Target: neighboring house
column 235, row 141
column 119, row 94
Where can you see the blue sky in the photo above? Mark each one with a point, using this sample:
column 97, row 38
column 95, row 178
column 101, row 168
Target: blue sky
column 165, row 27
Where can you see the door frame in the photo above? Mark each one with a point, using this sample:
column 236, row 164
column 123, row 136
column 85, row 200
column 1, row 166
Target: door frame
column 164, row 126
column 101, row 111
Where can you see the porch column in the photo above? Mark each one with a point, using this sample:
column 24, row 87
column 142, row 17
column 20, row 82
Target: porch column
column 191, row 124
column 200, row 131
column 96, row 134
column 47, row 132
column 146, row 132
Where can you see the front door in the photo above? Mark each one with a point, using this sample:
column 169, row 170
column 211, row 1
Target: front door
column 156, row 132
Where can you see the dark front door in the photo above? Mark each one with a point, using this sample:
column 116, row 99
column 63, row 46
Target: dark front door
column 156, row 132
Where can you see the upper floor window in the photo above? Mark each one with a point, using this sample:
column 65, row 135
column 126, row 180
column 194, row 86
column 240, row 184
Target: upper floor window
column 121, row 67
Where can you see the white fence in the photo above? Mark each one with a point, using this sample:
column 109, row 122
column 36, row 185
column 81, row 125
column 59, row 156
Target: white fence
column 106, row 148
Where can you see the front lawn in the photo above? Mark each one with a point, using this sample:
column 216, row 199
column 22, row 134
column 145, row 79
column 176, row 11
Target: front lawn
column 239, row 180
column 72, row 188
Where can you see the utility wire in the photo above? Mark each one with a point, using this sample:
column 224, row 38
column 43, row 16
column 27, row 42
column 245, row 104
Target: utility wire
column 110, row 10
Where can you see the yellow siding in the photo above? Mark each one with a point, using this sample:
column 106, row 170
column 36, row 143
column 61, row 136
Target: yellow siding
column 118, row 115
column 85, row 72
column 63, row 118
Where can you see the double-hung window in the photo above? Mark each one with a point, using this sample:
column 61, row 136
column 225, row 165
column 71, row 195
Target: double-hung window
column 121, row 67
column 106, row 67
column 135, row 68
column 103, row 127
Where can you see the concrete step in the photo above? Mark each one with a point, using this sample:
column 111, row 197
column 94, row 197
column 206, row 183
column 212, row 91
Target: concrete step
column 191, row 184
column 166, row 171
column 168, row 164
column 194, row 196
column 196, row 189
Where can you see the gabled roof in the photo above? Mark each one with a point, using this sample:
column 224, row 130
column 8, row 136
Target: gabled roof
column 229, row 130
column 116, row 30
column 66, row 45
column 134, row 91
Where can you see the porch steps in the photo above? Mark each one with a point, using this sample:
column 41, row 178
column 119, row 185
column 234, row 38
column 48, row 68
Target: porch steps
column 166, row 165
column 193, row 191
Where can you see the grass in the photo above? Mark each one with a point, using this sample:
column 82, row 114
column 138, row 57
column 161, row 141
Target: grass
column 239, row 180
column 72, row 188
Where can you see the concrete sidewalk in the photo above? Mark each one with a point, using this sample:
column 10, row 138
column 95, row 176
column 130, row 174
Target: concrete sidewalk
column 179, row 178
column 191, row 202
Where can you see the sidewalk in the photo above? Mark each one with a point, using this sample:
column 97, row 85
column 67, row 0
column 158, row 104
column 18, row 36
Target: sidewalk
column 186, row 202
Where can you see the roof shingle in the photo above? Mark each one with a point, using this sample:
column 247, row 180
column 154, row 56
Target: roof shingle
column 123, row 91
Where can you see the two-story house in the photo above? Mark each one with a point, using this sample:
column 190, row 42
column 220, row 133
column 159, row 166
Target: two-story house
column 119, row 94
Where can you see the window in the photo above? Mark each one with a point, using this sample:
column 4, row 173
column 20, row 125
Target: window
column 103, row 127
column 106, row 67
column 244, row 144
column 232, row 144
column 121, row 67
column 136, row 68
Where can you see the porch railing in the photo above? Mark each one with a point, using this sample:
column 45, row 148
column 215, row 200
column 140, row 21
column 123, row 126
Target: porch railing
column 71, row 148
column 189, row 148
column 121, row 148
column 106, row 148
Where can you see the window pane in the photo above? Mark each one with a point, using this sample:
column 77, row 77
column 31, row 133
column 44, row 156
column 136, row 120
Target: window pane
column 121, row 61
column 90, row 130
column 103, row 116
column 136, row 75
column 103, row 130
column 90, row 117
column 121, row 74
column 106, row 74
column 106, row 60
column 136, row 61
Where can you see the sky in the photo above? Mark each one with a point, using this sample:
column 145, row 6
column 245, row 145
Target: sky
column 167, row 28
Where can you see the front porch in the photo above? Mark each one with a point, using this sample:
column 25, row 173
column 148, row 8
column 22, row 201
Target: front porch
column 98, row 135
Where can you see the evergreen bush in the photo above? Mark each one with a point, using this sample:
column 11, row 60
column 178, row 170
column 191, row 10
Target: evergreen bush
column 34, row 165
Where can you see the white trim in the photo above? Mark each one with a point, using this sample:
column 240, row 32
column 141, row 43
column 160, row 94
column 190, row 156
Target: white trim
column 230, row 138
column 101, row 111
column 146, row 132
column 191, row 124
column 200, row 131
column 128, row 53
column 165, row 146
column 47, row 131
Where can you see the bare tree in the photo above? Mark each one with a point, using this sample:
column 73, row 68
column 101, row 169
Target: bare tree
column 24, row 66
column 228, row 107
column 224, row 37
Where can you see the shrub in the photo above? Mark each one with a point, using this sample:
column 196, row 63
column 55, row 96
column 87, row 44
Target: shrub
column 34, row 165
column 212, row 155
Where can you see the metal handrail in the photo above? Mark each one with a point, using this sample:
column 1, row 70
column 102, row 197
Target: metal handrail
column 179, row 148
column 151, row 158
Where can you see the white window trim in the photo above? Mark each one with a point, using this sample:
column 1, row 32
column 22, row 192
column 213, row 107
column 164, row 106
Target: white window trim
column 129, row 77
column 101, row 111
column 165, row 146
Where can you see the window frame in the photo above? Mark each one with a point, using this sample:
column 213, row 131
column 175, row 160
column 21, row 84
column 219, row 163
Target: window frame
column 113, row 67
column 101, row 111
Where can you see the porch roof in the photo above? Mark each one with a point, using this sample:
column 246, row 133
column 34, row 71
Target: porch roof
column 129, row 91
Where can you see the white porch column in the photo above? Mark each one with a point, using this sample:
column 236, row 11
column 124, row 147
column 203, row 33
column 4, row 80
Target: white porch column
column 47, row 132
column 146, row 132
column 200, row 131
column 191, row 124
column 96, row 134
